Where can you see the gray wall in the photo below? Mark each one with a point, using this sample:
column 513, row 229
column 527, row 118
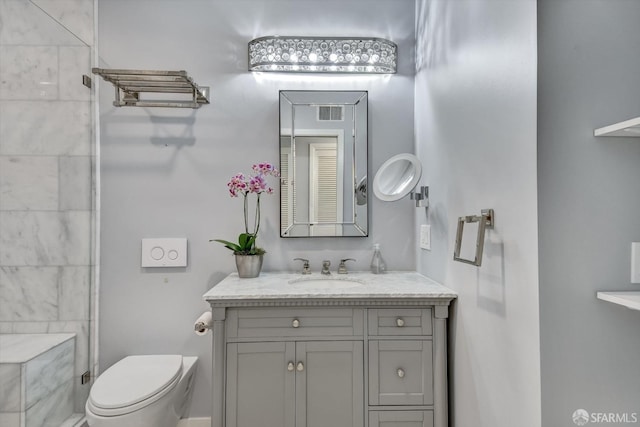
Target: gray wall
column 475, row 106
column 589, row 197
column 164, row 172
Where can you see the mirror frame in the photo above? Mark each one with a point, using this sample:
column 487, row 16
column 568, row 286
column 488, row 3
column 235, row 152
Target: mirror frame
column 348, row 228
column 407, row 187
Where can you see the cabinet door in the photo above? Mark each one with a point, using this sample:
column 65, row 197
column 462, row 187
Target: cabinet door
column 260, row 387
column 401, row 419
column 330, row 387
column 400, row 372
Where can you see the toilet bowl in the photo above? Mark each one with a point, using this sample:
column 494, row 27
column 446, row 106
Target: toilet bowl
column 142, row 391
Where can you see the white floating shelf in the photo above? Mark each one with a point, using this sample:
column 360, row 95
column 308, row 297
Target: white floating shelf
column 629, row 299
column 629, row 128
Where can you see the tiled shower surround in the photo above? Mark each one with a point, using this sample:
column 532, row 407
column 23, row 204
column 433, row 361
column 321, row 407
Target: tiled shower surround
column 47, row 189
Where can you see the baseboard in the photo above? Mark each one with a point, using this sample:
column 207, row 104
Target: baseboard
column 195, row 422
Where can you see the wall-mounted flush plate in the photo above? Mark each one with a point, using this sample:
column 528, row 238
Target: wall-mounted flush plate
column 635, row 262
column 425, row 237
column 164, row 253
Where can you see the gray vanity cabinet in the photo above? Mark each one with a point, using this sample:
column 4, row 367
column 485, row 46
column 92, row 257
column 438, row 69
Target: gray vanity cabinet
column 285, row 355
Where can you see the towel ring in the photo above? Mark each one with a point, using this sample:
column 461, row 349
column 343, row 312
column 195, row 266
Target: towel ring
column 485, row 220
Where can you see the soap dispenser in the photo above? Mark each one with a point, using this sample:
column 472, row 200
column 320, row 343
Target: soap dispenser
column 378, row 266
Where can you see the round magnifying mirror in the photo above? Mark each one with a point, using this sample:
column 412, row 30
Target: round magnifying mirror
column 397, row 177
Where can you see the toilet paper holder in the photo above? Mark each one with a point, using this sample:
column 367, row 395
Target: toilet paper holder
column 203, row 323
column 485, row 220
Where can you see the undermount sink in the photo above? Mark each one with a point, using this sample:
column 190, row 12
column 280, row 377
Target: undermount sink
column 321, row 282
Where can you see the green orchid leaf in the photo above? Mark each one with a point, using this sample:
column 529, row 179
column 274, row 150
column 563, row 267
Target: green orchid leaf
column 246, row 241
column 228, row 245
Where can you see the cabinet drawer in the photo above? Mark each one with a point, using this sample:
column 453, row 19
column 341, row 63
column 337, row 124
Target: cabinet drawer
column 294, row 322
column 403, row 321
column 401, row 419
column 400, row 372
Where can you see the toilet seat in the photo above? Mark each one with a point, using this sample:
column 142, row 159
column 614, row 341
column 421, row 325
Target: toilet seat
column 133, row 383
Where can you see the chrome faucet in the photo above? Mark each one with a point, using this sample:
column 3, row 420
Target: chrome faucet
column 305, row 265
column 342, row 268
column 325, row 267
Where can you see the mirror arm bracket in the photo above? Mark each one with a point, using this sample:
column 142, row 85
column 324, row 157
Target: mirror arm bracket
column 421, row 197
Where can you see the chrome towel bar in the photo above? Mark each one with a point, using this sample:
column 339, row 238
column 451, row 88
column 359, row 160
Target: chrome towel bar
column 485, row 220
column 129, row 84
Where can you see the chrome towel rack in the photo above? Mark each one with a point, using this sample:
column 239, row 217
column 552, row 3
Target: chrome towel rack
column 485, row 220
column 130, row 84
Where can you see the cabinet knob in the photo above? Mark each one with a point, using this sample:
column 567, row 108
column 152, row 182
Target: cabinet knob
column 400, row 372
column 295, row 323
column 290, row 367
column 300, row 367
column 400, row 322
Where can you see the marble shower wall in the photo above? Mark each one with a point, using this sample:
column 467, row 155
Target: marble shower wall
column 47, row 164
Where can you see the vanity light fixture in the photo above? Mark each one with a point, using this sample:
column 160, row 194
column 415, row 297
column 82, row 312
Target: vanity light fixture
column 296, row 54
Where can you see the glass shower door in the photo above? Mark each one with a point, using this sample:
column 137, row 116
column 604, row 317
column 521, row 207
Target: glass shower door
column 47, row 211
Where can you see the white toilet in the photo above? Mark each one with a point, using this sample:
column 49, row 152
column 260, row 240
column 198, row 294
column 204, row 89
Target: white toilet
column 142, row 391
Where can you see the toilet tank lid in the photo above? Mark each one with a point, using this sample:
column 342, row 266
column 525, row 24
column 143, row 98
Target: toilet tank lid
column 134, row 379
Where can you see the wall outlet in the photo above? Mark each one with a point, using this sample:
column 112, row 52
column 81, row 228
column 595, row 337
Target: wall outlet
column 635, row 262
column 164, row 253
column 425, row 237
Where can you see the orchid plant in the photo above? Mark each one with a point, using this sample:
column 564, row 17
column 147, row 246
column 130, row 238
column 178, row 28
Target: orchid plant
column 240, row 185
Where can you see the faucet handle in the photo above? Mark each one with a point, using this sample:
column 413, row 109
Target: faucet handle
column 325, row 267
column 305, row 265
column 342, row 268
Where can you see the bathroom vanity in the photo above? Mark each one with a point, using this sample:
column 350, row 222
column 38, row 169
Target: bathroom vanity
column 356, row 350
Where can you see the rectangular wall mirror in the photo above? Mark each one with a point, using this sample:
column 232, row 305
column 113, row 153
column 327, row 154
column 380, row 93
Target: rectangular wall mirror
column 323, row 163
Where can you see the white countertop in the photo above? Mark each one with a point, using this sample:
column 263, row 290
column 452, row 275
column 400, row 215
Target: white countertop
column 629, row 299
column 355, row 285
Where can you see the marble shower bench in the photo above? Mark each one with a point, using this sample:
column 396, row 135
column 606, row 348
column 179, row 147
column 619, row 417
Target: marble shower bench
column 36, row 373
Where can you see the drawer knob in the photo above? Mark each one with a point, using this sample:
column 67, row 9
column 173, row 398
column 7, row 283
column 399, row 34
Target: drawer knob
column 400, row 322
column 295, row 323
column 290, row 367
column 300, row 367
column 400, row 372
